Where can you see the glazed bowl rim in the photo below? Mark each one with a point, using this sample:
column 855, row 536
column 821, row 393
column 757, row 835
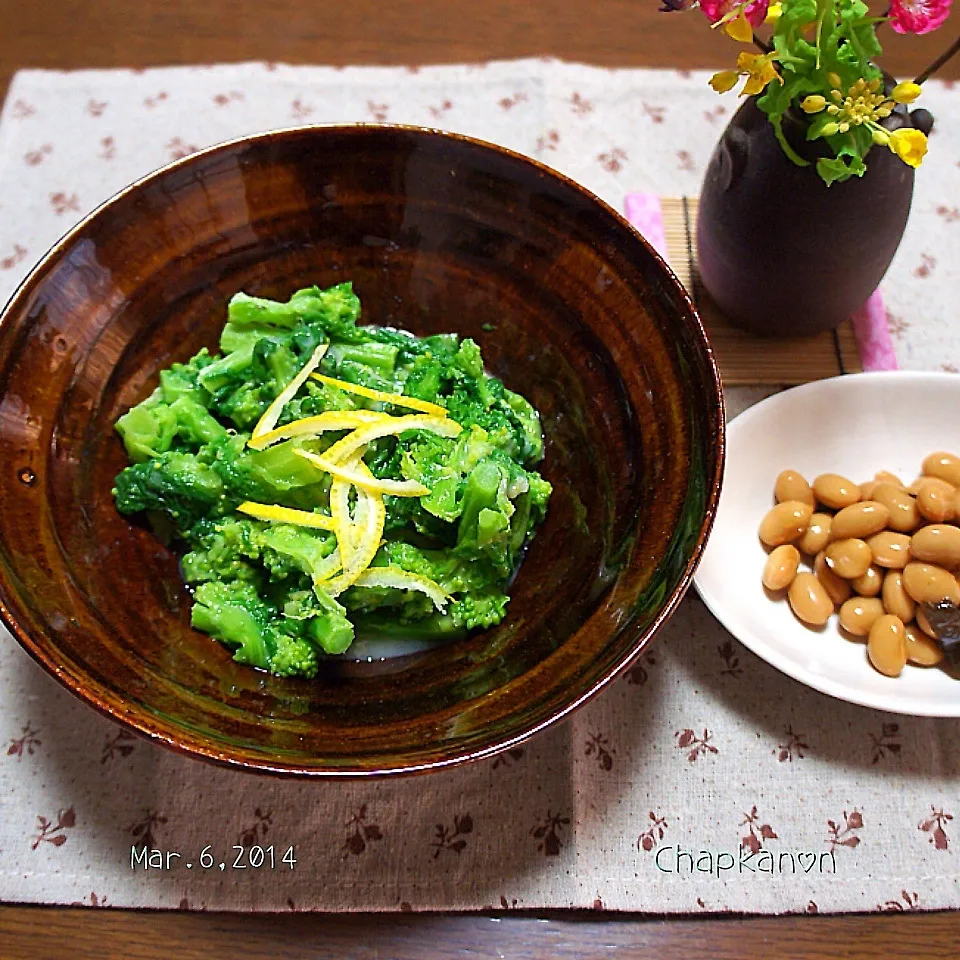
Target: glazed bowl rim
column 111, row 704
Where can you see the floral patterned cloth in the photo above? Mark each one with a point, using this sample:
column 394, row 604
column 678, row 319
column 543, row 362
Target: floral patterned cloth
column 699, row 755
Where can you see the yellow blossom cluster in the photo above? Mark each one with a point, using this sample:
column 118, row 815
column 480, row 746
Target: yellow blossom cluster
column 864, row 104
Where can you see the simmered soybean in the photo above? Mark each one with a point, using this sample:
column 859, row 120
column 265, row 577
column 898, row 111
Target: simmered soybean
column 809, row 600
column 785, row 522
column 921, row 649
column 890, row 550
column 937, row 543
column 944, row 466
column 849, row 558
column 936, row 499
column 837, row 588
column 903, row 515
column 781, row 567
column 858, row 614
column 860, row 520
column 896, row 600
column 871, row 583
column 887, row 645
column 928, row 583
column 817, row 535
column 876, row 552
column 791, row 485
column 835, row 491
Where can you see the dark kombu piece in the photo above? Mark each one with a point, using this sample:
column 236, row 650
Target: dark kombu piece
column 944, row 617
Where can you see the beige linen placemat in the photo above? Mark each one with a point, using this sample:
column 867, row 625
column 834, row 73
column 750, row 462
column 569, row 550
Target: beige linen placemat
column 701, row 749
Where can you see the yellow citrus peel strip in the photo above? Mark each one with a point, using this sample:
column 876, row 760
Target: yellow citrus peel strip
column 366, row 535
column 314, row 426
column 272, row 414
column 358, row 537
column 397, row 399
column 340, row 512
column 387, row 427
column 278, row 514
column 402, row 580
column 326, row 569
column 365, row 481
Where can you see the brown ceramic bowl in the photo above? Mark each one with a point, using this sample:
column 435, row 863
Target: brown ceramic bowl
column 438, row 233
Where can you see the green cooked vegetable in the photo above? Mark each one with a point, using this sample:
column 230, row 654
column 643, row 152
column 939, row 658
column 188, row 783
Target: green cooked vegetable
column 438, row 511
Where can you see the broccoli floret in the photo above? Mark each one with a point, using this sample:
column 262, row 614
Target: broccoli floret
column 330, row 627
column 175, row 409
column 293, row 657
column 175, row 483
column 194, row 424
column 324, row 621
column 481, row 609
column 502, row 503
column 233, row 613
column 223, row 550
column 243, row 405
column 369, row 364
column 528, row 422
column 335, row 311
column 247, row 380
column 237, row 337
column 290, row 550
column 148, row 429
column 273, row 365
column 228, row 370
column 182, row 380
column 539, row 493
column 424, row 379
column 317, row 398
column 442, row 465
column 455, row 574
column 274, row 475
column 483, row 526
column 469, row 361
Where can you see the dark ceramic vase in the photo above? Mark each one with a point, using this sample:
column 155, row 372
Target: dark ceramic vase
column 781, row 253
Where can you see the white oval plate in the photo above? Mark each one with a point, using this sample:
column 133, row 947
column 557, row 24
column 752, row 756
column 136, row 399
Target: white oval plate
column 853, row 425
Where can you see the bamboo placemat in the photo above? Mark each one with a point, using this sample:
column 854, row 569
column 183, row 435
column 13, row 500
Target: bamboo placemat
column 744, row 358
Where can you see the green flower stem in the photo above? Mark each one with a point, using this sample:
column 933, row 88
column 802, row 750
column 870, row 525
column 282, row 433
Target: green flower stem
column 821, row 13
column 787, row 149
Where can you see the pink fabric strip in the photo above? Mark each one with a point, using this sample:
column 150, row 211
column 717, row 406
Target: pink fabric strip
column 873, row 335
column 643, row 211
column 869, row 322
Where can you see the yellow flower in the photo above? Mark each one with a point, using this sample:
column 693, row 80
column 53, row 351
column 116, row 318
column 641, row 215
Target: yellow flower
column 724, row 80
column 814, row 103
column 829, row 129
column 738, row 28
column 757, row 68
column 759, row 71
column 880, row 136
column 906, row 92
column 774, row 12
column 909, row 145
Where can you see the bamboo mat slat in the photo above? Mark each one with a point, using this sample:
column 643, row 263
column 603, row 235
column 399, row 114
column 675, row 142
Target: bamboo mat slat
column 744, row 358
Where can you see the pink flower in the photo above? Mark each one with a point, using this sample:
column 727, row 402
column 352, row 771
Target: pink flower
column 918, row 16
column 756, row 10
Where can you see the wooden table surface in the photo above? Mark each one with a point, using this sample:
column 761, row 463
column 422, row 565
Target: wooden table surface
column 113, row 33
